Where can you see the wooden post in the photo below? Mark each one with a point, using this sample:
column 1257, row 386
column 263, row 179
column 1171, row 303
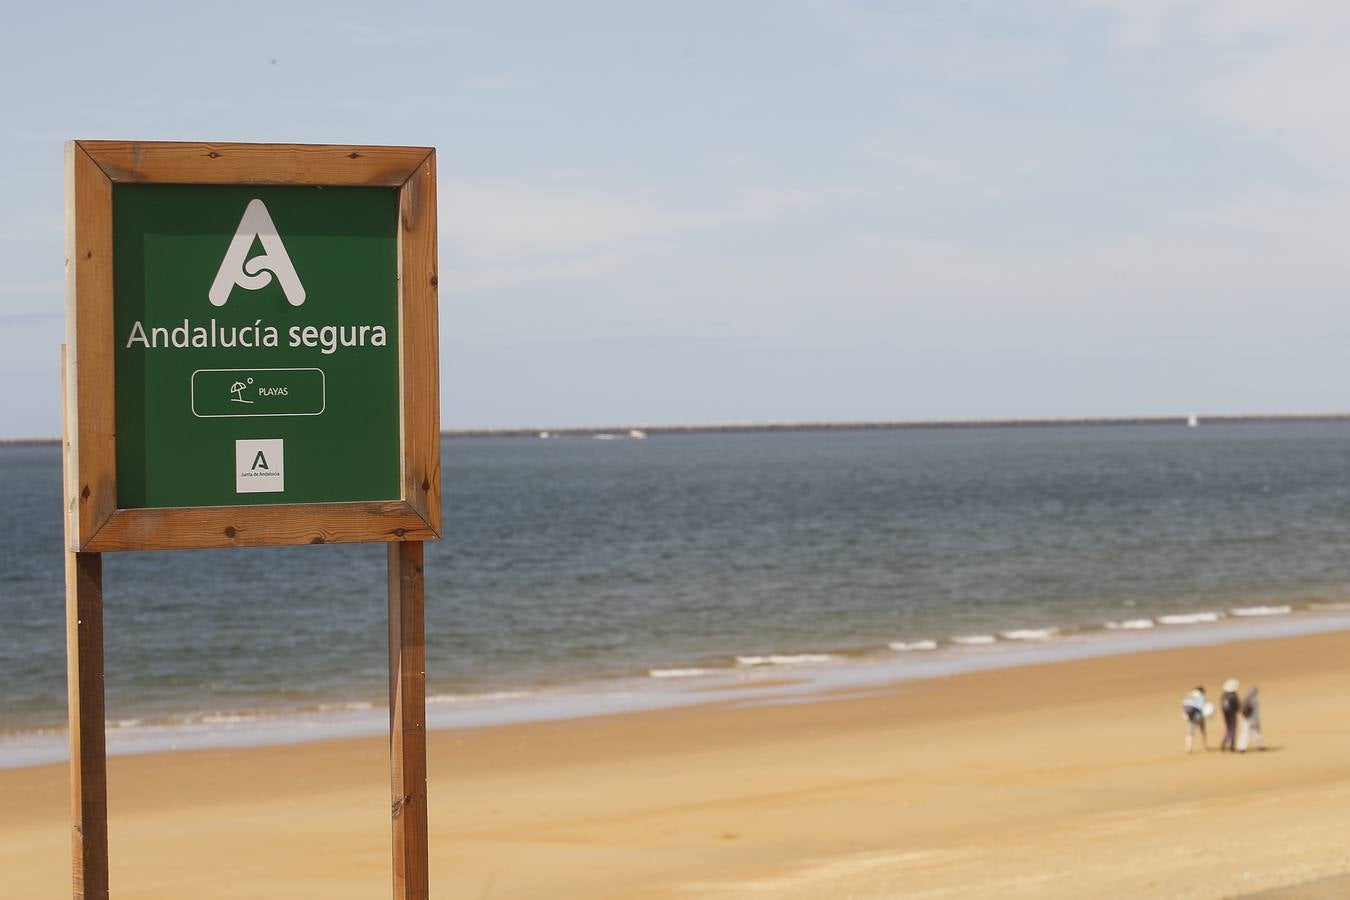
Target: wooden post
column 408, row 720
column 88, row 749
column 84, row 692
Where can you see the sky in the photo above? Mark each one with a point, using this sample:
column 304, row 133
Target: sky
column 662, row 213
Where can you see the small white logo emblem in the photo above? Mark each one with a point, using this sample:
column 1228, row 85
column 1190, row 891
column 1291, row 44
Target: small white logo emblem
column 259, row 467
column 251, row 274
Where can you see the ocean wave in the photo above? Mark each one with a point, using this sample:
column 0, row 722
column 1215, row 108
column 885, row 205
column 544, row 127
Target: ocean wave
column 470, row 698
column 784, row 659
column 907, row 646
column 974, row 639
column 1195, row 618
column 1030, row 634
column 353, row 706
column 1332, row 606
column 1261, row 611
column 234, row 718
column 678, row 673
column 1130, row 625
column 42, row 731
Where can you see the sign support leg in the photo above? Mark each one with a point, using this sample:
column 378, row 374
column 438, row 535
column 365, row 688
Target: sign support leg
column 407, row 719
column 88, row 746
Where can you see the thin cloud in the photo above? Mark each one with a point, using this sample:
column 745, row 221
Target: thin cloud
column 472, row 278
column 1153, row 21
column 1279, row 70
column 30, row 318
column 491, row 82
column 32, row 288
column 398, row 34
column 945, row 43
column 499, row 222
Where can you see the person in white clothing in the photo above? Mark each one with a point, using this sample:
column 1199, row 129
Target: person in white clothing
column 1195, row 707
column 1250, row 728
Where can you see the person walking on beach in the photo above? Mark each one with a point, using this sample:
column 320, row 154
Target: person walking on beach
column 1230, row 705
column 1250, row 727
column 1194, row 707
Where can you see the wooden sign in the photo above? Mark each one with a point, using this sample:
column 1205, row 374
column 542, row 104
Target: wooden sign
column 250, row 360
column 252, row 338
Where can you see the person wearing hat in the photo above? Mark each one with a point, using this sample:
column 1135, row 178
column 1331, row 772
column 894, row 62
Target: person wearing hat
column 1194, row 707
column 1229, row 704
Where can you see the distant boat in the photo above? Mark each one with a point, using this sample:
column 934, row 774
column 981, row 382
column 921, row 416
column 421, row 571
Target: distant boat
column 545, row 435
column 1192, row 421
column 636, row 434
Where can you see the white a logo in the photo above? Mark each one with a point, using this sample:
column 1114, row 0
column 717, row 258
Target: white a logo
column 255, row 273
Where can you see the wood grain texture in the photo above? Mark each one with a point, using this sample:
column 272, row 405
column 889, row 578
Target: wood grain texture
column 279, row 525
column 407, row 720
column 165, row 162
column 88, row 750
column 420, row 347
column 91, row 479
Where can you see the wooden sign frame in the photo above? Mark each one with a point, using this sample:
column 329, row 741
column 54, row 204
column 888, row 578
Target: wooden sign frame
column 96, row 524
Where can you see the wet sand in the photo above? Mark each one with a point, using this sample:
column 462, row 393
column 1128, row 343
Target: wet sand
column 1058, row 780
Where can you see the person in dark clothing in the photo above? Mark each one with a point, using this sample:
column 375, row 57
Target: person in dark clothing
column 1229, row 705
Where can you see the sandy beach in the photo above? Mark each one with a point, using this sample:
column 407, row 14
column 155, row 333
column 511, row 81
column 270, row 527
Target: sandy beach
column 1058, row 780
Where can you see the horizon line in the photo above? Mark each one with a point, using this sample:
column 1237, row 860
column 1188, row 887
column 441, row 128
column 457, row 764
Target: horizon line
column 846, row 425
column 895, row 424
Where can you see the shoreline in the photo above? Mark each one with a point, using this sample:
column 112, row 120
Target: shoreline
column 780, row 678
column 1058, row 779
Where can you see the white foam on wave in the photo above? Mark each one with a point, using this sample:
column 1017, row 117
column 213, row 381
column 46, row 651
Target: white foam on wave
column 1030, row 634
column 974, row 639
column 677, row 673
column 352, row 706
column 907, row 646
column 784, row 659
column 470, row 698
column 228, row 718
column 1261, row 611
column 1130, row 625
column 1190, row 618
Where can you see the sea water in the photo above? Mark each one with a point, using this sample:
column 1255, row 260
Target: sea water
column 580, row 576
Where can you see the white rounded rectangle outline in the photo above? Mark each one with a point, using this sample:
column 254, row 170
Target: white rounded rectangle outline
column 323, row 391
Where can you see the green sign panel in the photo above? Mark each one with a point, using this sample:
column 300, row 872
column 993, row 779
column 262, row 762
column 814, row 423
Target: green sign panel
column 257, row 350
